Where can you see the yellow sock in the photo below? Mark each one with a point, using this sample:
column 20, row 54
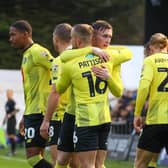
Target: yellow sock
column 103, row 166
column 34, row 160
column 61, row 166
column 152, row 164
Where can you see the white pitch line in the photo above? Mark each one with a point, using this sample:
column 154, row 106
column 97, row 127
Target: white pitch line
column 13, row 158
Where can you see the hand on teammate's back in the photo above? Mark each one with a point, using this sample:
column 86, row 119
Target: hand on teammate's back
column 101, row 72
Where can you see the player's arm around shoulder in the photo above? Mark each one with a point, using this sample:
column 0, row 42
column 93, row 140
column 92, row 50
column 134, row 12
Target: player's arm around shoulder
column 126, row 53
column 121, row 54
column 74, row 53
column 116, row 88
column 68, row 55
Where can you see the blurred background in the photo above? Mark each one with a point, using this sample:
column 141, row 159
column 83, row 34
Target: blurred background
column 126, row 17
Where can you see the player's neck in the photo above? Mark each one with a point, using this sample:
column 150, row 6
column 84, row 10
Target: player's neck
column 28, row 44
column 63, row 47
column 84, row 45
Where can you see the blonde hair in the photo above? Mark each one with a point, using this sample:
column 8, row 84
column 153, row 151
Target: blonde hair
column 84, row 32
column 147, row 50
column 158, row 40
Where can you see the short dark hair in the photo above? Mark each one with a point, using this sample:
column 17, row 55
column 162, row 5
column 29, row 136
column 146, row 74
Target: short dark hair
column 23, row 26
column 63, row 31
column 101, row 25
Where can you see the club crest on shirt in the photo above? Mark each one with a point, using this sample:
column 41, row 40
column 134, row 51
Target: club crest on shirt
column 44, row 53
column 89, row 56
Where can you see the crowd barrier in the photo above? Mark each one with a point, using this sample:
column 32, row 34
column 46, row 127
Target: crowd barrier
column 122, row 141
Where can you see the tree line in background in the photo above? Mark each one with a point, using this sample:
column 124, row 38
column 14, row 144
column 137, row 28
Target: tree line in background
column 126, row 17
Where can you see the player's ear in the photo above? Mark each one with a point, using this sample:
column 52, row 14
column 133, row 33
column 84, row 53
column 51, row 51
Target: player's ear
column 78, row 42
column 26, row 34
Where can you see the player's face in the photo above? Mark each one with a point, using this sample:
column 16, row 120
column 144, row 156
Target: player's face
column 9, row 94
column 102, row 38
column 16, row 38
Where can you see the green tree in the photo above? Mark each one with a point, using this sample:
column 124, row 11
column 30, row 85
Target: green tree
column 127, row 18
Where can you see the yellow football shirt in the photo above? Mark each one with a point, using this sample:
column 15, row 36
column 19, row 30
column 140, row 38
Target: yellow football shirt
column 154, row 82
column 118, row 55
column 36, row 72
column 70, row 109
column 64, row 97
column 90, row 92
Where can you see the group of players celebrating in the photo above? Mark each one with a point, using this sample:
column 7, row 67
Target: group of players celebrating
column 66, row 97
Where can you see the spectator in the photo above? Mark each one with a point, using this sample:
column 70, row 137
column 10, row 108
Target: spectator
column 122, row 113
column 10, row 119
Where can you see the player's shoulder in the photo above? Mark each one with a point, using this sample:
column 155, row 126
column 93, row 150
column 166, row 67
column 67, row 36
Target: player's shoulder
column 112, row 52
column 121, row 49
column 161, row 55
column 152, row 59
column 149, row 59
column 39, row 49
column 37, row 46
column 73, row 59
column 158, row 57
column 71, row 54
column 118, row 47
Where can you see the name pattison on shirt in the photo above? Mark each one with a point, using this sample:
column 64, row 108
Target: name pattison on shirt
column 89, row 63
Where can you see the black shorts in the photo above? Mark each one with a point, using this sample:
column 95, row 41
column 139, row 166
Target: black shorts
column 54, row 131
column 65, row 140
column 91, row 137
column 11, row 126
column 32, row 125
column 154, row 137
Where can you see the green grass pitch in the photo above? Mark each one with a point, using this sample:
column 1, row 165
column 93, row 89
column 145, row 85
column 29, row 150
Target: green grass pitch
column 19, row 160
